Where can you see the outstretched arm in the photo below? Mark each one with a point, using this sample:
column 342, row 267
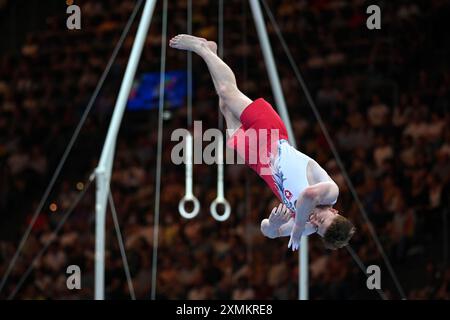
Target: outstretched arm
column 322, row 193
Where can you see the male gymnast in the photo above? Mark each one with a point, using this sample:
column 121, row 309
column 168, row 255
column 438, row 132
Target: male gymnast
column 307, row 193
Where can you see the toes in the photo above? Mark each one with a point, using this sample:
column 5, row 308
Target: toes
column 176, row 38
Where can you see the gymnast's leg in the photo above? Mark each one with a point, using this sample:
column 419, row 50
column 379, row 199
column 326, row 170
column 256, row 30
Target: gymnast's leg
column 232, row 100
column 232, row 122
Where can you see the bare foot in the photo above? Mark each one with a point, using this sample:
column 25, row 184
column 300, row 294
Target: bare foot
column 187, row 42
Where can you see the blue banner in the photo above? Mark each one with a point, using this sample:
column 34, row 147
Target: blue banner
column 144, row 93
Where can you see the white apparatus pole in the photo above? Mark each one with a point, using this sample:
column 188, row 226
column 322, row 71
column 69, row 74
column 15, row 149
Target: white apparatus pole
column 103, row 170
column 281, row 106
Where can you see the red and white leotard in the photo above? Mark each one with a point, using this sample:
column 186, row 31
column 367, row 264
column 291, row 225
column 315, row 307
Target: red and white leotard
column 262, row 141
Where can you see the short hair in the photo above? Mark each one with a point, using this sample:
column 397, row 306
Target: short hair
column 338, row 233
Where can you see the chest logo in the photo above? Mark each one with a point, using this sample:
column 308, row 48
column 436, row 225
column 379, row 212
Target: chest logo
column 288, row 194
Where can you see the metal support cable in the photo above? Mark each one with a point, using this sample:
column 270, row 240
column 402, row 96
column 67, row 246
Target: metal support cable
column 189, row 68
column 220, row 48
column 363, row 269
column 52, row 237
column 159, row 149
column 121, row 247
column 220, row 199
column 188, row 157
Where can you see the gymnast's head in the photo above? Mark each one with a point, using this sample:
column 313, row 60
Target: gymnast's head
column 335, row 230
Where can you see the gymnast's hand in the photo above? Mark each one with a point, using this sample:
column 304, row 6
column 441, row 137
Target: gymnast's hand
column 294, row 241
column 279, row 216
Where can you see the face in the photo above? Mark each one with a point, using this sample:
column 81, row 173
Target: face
column 322, row 218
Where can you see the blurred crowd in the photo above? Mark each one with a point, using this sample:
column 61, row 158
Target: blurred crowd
column 383, row 95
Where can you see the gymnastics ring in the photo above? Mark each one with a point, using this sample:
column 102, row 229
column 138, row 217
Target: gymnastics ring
column 217, row 201
column 182, row 206
column 189, row 195
column 220, row 199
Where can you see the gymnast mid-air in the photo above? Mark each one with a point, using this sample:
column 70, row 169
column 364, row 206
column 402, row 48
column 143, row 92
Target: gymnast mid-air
column 307, row 193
